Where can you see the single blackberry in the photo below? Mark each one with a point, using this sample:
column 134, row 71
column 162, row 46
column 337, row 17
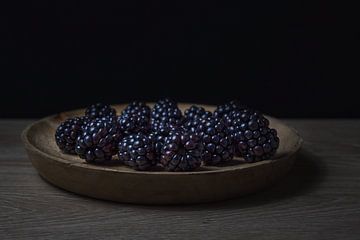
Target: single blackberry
column 158, row 136
column 181, row 151
column 165, row 103
column 217, row 142
column 67, row 133
column 134, row 123
column 99, row 140
column 137, row 108
column 253, row 139
column 165, row 113
column 99, row 110
column 196, row 112
column 135, row 118
column 226, row 108
column 193, row 117
column 137, row 151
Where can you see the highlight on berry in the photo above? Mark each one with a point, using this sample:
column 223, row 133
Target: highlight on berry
column 163, row 136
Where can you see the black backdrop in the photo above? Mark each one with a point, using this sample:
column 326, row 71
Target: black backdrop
column 287, row 58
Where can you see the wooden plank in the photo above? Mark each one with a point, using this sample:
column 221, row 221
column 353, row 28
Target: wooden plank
column 320, row 198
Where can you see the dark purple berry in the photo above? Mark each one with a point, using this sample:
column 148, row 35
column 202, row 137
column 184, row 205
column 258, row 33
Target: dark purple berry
column 137, row 151
column 253, row 139
column 98, row 141
column 135, row 118
column 195, row 112
column 218, row 147
column 67, row 133
column 226, row 108
column 181, row 151
column 99, row 110
column 165, row 114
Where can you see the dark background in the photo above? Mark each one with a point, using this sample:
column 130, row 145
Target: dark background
column 287, row 58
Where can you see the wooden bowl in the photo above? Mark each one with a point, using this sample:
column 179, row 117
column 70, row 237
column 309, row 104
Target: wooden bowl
column 119, row 183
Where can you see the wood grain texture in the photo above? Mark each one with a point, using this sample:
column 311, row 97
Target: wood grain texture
column 117, row 182
column 319, row 199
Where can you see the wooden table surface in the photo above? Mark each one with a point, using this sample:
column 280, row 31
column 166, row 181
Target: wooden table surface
column 319, row 199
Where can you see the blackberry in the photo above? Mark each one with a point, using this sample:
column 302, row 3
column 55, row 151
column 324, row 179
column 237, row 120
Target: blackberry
column 134, row 123
column 195, row 112
column 137, row 108
column 181, row 151
column 158, row 136
column 226, row 108
column 254, row 140
column 135, row 118
column 216, row 139
column 99, row 140
column 67, row 133
column 137, row 151
column 165, row 113
column 193, row 117
column 165, row 103
column 99, row 110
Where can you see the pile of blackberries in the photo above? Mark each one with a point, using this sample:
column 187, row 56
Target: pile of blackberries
column 142, row 137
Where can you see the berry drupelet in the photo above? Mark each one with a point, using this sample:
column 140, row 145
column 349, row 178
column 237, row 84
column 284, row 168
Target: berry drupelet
column 195, row 112
column 99, row 141
column 181, row 151
column 67, row 133
column 135, row 118
column 217, row 142
column 253, row 139
column 137, row 151
column 224, row 109
column 99, row 110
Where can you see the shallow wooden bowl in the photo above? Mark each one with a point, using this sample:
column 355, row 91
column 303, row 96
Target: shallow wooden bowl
column 119, row 183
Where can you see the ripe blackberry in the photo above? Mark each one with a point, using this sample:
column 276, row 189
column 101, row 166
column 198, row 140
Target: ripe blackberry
column 165, row 103
column 165, row 113
column 158, row 136
column 134, row 123
column 253, row 139
column 67, row 133
column 135, row 118
column 181, row 151
column 226, row 108
column 98, row 142
column 217, row 142
column 193, row 117
column 99, row 110
column 136, row 108
column 196, row 112
column 137, row 151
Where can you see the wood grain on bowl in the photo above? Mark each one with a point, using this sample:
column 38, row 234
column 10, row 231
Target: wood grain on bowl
column 119, row 183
